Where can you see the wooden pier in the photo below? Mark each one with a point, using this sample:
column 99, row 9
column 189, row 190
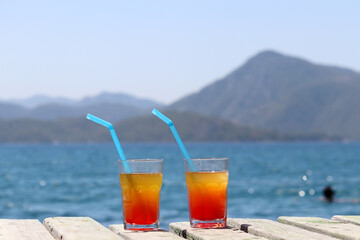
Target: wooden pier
column 85, row 228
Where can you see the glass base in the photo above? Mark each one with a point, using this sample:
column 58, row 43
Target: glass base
column 139, row 227
column 216, row 223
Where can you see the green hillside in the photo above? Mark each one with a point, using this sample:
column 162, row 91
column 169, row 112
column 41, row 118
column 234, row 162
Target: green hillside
column 285, row 94
column 192, row 127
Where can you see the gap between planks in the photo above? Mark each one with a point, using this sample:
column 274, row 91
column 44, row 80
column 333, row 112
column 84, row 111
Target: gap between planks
column 274, row 230
column 184, row 230
column 347, row 219
column 139, row 235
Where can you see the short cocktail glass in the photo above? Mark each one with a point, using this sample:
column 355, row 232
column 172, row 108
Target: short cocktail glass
column 140, row 192
column 207, row 192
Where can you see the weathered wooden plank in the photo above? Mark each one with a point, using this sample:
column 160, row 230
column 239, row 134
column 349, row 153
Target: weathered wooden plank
column 184, row 230
column 324, row 226
column 274, row 230
column 135, row 235
column 347, row 219
column 29, row 229
column 78, row 228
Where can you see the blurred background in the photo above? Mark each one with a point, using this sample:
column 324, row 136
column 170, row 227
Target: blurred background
column 274, row 85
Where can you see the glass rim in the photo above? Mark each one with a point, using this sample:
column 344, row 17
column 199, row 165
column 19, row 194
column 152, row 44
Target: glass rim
column 205, row 159
column 143, row 160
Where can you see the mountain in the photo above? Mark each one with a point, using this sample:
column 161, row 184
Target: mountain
column 122, row 98
column 10, row 111
column 110, row 111
column 283, row 93
column 39, row 100
column 191, row 126
column 197, row 127
column 105, row 97
column 111, row 106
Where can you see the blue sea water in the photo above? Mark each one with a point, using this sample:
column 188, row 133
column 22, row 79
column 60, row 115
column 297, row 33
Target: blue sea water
column 266, row 180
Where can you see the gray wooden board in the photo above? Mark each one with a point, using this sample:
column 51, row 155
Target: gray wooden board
column 138, row 235
column 184, row 230
column 29, row 229
column 78, row 228
column 347, row 219
column 325, row 226
column 274, row 230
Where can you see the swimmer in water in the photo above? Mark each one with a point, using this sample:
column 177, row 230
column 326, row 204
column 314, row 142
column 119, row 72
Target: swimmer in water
column 328, row 193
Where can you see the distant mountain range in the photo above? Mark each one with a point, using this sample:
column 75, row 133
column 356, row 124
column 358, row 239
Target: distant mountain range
column 111, row 106
column 191, row 126
column 270, row 97
column 105, row 97
column 282, row 93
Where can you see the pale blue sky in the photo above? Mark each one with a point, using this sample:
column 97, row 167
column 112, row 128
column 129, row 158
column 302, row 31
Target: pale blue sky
column 161, row 49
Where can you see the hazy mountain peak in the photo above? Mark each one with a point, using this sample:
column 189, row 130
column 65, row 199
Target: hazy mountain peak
column 268, row 53
column 272, row 58
column 283, row 93
column 123, row 98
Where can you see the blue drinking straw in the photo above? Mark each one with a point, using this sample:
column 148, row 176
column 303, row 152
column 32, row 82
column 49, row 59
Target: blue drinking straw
column 114, row 137
column 177, row 138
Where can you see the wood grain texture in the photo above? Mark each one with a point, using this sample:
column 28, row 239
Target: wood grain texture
column 325, row 226
column 78, row 228
column 184, row 230
column 29, row 229
column 274, row 230
column 347, row 219
column 137, row 235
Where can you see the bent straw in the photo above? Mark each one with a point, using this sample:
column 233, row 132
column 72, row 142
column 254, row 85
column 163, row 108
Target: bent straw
column 177, row 137
column 114, row 137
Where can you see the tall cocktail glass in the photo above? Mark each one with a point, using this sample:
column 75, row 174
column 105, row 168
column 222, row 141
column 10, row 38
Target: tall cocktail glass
column 140, row 192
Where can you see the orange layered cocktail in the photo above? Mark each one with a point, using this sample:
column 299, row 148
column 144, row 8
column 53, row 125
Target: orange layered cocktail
column 141, row 194
column 207, row 193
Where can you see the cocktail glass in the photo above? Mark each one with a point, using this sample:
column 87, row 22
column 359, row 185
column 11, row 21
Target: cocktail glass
column 140, row 192
column 207, row 192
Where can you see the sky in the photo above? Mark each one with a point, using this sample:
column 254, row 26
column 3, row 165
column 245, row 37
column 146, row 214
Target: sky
column 162, row 50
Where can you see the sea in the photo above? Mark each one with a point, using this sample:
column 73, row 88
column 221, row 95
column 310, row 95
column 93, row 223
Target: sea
column 266, row 180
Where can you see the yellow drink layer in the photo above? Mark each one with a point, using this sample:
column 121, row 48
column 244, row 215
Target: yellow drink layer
column 207, row 194
column 141, row 197
column 207, row 180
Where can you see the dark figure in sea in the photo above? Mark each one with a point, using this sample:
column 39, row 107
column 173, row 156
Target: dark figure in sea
column 328, row 193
